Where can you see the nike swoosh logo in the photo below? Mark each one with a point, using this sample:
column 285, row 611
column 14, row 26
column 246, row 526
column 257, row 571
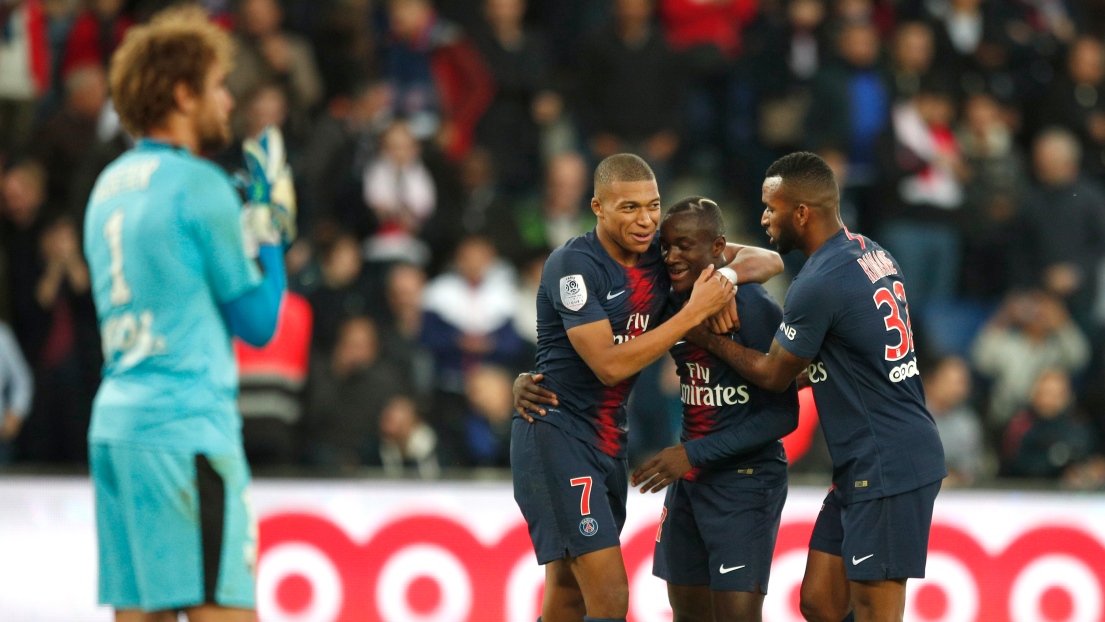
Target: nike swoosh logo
column 856, row 562
column 725, row 570
column 610, row 296
column 680, row 342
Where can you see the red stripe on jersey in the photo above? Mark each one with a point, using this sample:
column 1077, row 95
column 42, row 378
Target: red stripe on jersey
column 611, row 437
column 858, row 238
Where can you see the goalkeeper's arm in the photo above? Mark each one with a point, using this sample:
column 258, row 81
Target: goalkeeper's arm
column 253, row 315
column 269, row 225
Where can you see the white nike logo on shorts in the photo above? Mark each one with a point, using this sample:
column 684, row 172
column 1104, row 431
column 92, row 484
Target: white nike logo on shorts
column 724, row 570
column 856, row 562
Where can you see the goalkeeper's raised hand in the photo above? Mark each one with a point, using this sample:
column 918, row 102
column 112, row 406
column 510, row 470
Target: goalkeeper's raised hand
column 270, row 210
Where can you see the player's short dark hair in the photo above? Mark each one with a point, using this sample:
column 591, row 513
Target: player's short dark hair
column 622, row 167
column 804, row 170
column 706, row 210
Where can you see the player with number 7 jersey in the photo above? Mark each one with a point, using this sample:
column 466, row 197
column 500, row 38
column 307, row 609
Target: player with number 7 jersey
column 846, row 323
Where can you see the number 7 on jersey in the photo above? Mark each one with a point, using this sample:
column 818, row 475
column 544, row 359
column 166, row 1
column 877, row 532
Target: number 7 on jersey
column 585, row 498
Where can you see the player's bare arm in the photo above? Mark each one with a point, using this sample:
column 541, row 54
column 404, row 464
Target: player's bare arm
column 773, row 371
column 613, row 362
column 752, row 263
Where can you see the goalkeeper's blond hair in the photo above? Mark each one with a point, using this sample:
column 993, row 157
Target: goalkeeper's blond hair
column 179, row 45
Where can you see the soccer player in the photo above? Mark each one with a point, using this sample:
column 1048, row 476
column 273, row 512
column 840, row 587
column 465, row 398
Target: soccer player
column 599, row 302
column 172, row 281
column 728, row 477
column 846, row 322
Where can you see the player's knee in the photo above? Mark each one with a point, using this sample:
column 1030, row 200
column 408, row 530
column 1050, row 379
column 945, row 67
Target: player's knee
column 821, row 607
column 610, row 602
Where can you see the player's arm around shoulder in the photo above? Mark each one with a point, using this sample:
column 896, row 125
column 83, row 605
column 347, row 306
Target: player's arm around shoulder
column 752, row 263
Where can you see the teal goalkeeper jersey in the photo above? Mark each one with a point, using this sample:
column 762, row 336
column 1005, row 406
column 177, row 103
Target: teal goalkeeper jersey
column 163, row 239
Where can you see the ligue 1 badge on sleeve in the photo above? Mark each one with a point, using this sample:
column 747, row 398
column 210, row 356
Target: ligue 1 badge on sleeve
column 588, row 526
column 573, row 292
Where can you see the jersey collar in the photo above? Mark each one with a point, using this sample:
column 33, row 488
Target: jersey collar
column 151, row 144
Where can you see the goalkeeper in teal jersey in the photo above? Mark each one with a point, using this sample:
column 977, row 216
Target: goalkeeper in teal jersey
column 173, row 258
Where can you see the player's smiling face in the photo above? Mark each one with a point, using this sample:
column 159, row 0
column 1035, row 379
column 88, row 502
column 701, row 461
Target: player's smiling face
column 628, row 214
column 778, row 216
column 687, row 249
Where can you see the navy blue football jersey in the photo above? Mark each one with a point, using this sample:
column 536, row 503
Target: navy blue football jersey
column 731, row 428
column 847, row 311
column 581, row 283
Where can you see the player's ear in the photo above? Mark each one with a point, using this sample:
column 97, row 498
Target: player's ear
column 184, row 97
column 719, row 246
column 596, row 206
column 802, row 214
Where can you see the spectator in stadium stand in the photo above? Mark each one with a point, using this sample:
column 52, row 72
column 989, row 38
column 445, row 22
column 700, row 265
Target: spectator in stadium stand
column 524, row 99
column 1076, row 101
column 630, row 55
column 344, row 138
column 785, row 48
column 343, row 290
column 525, row 313
column 1048, row 437
column 947, row 394
column 469, row 313
column 23, row 190
column 271, row 380
column 709, row 36
column 344, row 44
column 24, row 70
column 486, row 421
column 16, row 392
column 346, row 394
column 70, row 132
column 979, row 43
column 851, row 105
column 95, row 34
column 1031, row 332
column 407, row 443
column 920, row 173
column 266, row 54
column 403, row 289
column 401, row 193
column 1066, row 224
column 550, row 219
column 443, row 86
column 878, row 13
column 993, row 260
column 67, row 367
column 911, row 54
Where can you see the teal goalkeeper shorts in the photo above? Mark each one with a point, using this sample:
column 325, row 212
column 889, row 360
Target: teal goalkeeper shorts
column 175, row 529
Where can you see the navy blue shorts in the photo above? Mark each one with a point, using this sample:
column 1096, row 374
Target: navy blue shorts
column 571, row 494
column 719, row 536
column 879, row 539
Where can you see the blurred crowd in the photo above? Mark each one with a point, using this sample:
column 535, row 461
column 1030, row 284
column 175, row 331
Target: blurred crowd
column 442, row 148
